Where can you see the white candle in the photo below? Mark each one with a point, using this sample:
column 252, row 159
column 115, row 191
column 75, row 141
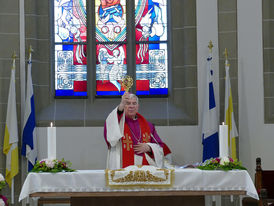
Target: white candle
column 223, row 140
column 51, row 142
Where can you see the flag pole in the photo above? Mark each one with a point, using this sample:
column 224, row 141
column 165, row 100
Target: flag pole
column 12, row 180
column 12, row 191
column 226, row 79
column 29, row 62
column 30, row 56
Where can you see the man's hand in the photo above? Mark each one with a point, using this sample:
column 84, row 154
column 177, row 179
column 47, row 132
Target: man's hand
column 124, row 101
column 141, row 148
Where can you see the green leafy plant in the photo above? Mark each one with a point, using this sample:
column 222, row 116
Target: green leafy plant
column 3, row 199
column 221, row 163
column 52, row 165
column 2, row 182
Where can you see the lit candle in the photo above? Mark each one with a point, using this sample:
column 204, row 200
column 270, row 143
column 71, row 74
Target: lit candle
column 223, row 140
column 51, row 142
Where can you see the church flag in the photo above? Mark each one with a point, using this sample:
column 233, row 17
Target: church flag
column 29, row 140
column 210, row 137
column 229, row 115
column 10, row 148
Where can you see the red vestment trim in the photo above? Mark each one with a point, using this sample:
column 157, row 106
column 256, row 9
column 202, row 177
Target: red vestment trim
column 127, row 143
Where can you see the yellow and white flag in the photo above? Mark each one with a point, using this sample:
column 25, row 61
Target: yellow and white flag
column 10, row 147
column 229, row 115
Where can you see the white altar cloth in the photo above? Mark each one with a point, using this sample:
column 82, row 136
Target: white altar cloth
column 94, row 181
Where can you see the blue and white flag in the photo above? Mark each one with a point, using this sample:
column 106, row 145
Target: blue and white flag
column 29, row 143
column 210, row 135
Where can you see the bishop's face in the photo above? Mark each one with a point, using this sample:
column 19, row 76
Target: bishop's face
column 131, row 108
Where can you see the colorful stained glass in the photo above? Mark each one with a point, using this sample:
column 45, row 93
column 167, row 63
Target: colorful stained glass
column 70, row 47
column 152, row 69
column 151, row 47
column 110, row 69
column 70, row 29
column 70, row 21
column 151, row 20
column 70, row 78
column 110, row 20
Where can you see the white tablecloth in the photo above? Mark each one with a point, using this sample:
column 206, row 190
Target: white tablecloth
column 94, row 181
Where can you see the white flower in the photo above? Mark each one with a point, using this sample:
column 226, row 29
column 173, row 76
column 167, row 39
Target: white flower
column 224, row 160
column 50, row 163
column 1, row 178
column 2, row 203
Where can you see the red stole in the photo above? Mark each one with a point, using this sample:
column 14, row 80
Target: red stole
column 127, row 143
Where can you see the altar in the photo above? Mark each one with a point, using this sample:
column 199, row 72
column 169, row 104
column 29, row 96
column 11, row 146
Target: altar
column 92, row 183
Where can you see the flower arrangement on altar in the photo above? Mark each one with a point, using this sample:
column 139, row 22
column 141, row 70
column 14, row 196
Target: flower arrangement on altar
column 2, row 182
column 52, row 165
column 3, row 199
column 221, row 163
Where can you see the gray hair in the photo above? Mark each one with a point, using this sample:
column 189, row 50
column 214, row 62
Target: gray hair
column 131, row 96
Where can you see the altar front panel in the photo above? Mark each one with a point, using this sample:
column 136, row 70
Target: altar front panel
column 92, row 182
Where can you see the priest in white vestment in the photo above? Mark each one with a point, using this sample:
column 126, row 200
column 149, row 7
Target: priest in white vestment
column 131, row 139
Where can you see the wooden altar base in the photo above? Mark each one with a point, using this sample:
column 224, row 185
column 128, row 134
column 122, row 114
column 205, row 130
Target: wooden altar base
column 144, row 198
column 137, row 201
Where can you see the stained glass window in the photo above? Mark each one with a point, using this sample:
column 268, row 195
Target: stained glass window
column 111, row 33
column 110, row 69
column 111, row 44
column 151, row 69
column 151, row 47
column 70, row 37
